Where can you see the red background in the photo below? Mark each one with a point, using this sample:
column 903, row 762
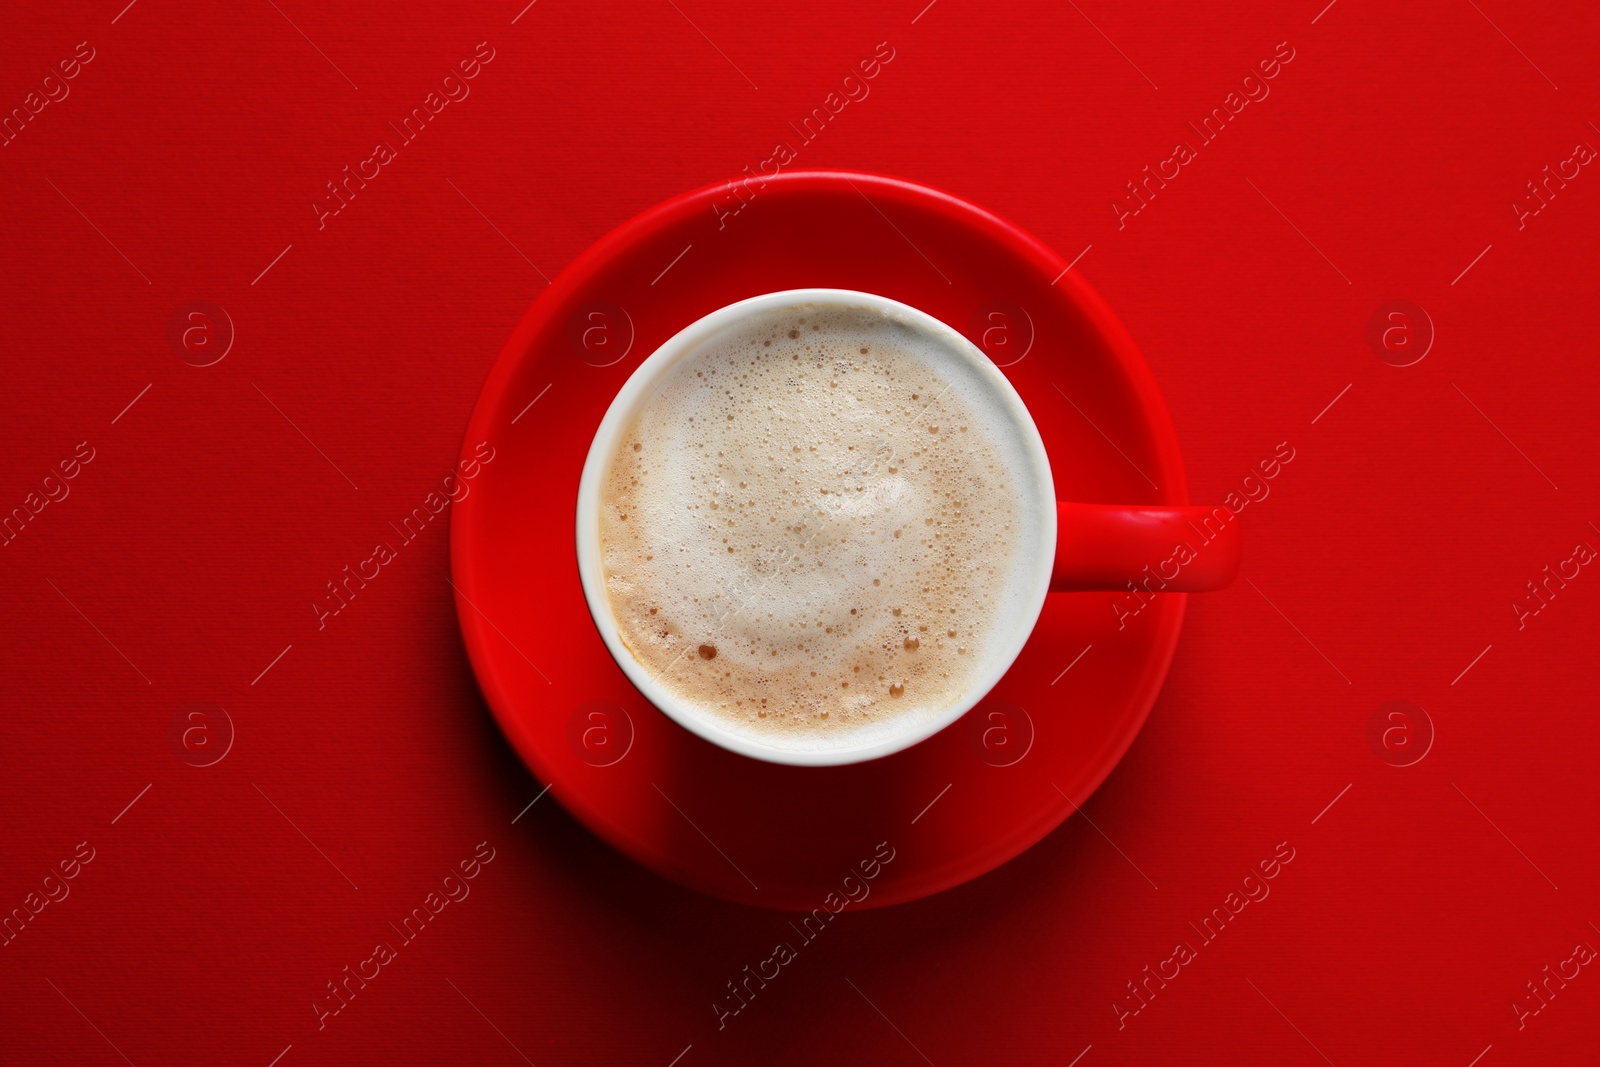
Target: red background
column 184, row 160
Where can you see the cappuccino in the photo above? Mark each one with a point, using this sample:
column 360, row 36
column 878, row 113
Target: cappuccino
column 809, row 528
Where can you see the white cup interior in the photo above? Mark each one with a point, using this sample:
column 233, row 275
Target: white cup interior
column 1027, row 584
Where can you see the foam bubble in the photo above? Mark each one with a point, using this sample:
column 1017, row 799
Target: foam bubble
column 810, row 526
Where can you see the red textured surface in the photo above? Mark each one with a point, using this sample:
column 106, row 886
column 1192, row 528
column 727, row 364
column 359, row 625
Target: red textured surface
column 1380, row 167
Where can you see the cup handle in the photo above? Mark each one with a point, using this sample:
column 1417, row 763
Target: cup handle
column 1189, row 549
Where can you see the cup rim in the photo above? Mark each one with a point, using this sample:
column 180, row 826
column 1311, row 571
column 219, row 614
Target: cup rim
column 619, row 415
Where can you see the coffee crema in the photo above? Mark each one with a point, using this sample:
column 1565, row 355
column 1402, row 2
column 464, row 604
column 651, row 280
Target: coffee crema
column 809, row 526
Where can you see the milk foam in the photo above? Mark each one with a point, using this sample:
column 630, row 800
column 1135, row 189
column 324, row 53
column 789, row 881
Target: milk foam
column 810, row 526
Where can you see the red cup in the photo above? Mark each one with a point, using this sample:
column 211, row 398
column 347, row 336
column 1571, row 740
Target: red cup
column 1062, row 546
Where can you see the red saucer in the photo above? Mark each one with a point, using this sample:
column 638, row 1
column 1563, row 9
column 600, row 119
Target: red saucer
column 950, row 808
